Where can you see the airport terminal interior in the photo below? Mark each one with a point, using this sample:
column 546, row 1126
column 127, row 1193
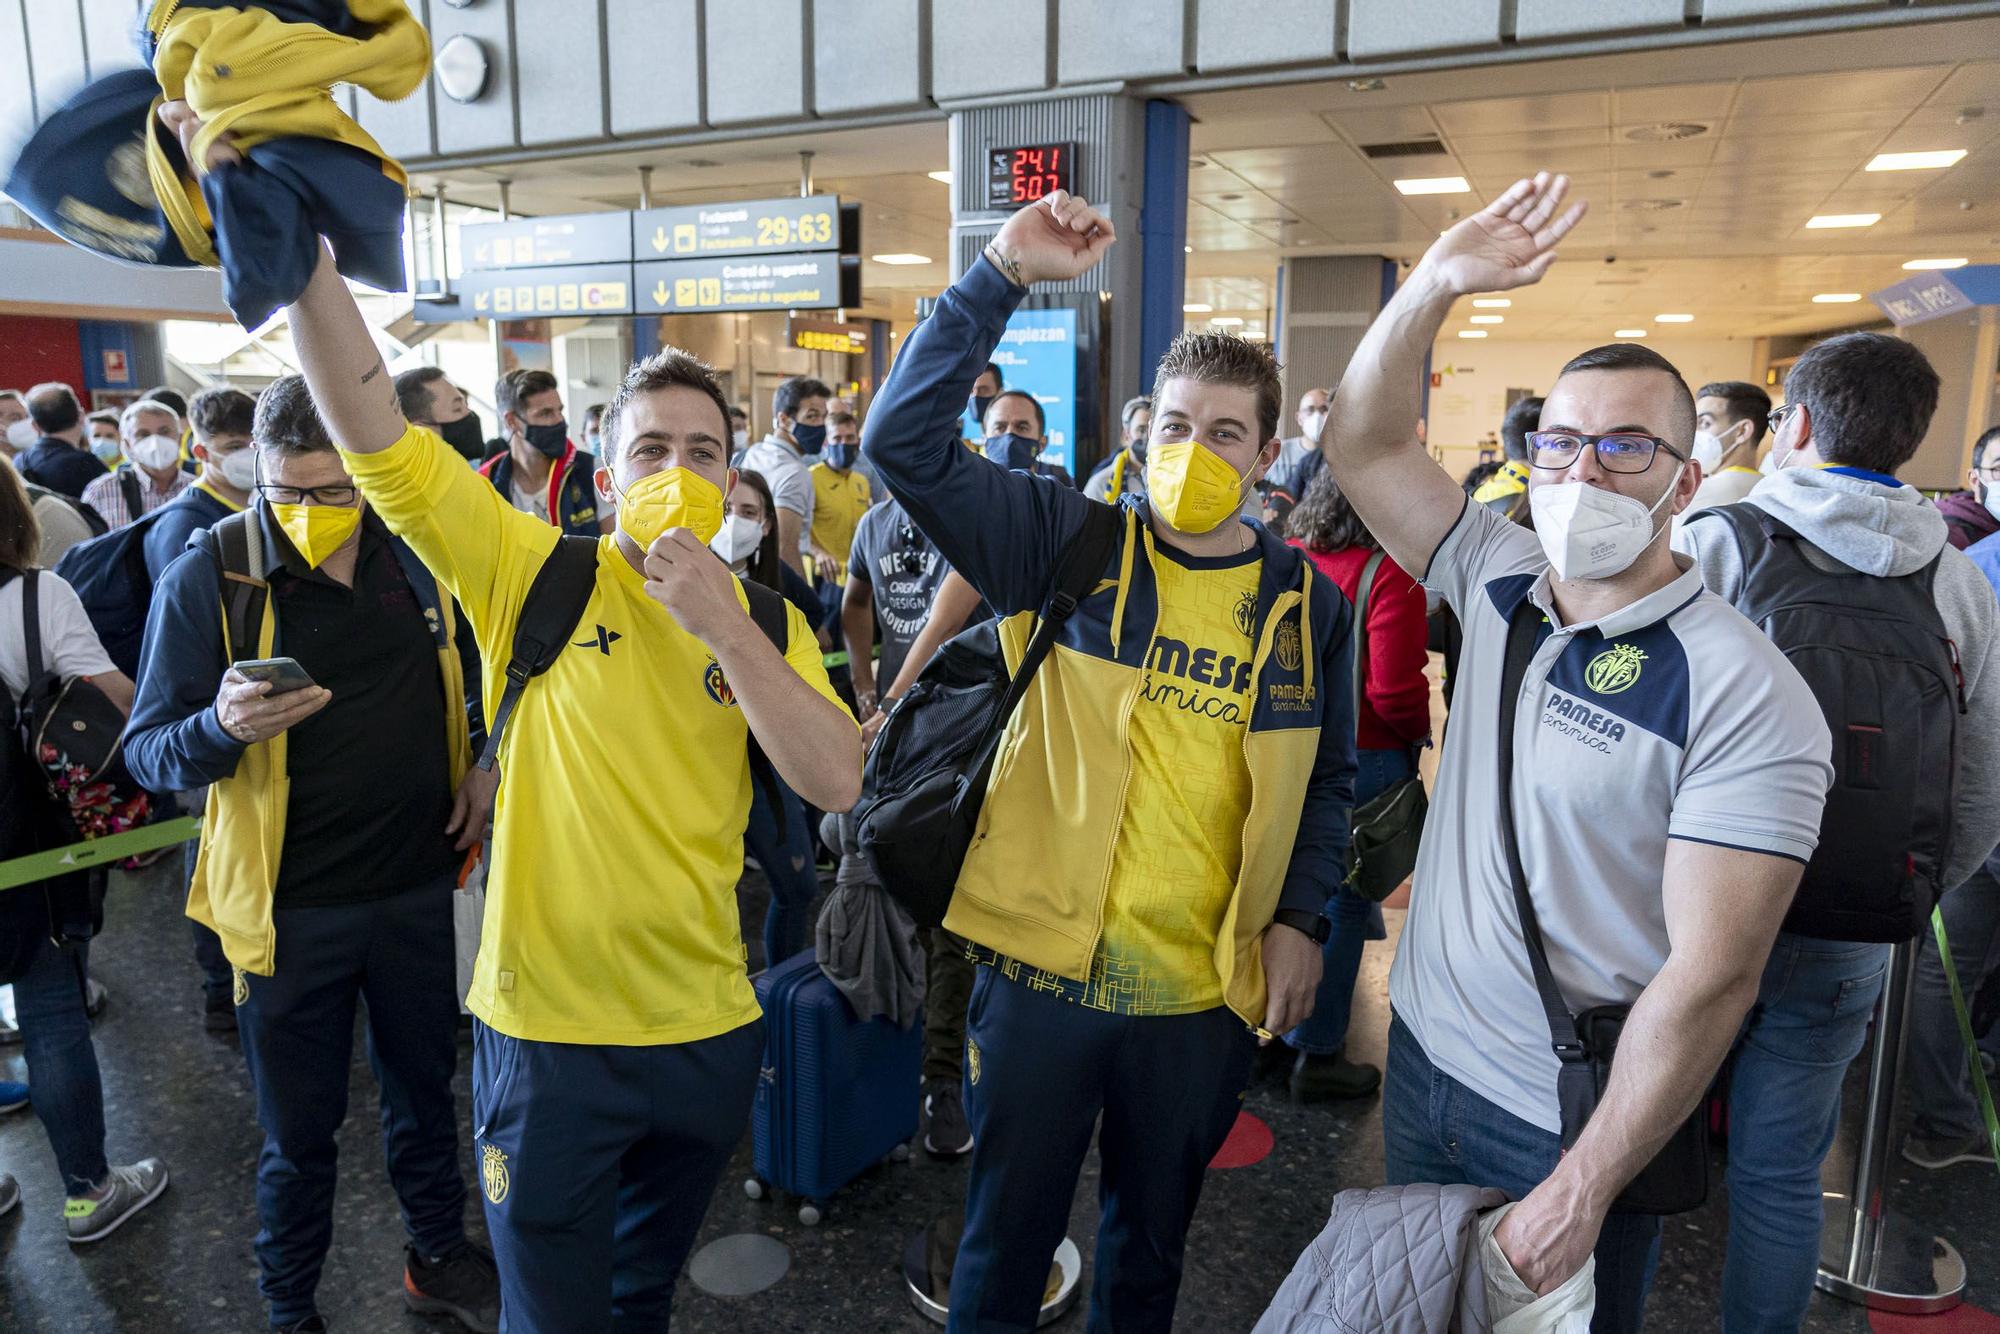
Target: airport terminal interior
column 788, row 190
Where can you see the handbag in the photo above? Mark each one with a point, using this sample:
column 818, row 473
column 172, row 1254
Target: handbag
column 1676, row 1180
column 1382, row 851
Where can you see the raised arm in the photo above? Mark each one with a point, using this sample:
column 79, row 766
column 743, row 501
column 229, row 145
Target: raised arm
column 1408, row 502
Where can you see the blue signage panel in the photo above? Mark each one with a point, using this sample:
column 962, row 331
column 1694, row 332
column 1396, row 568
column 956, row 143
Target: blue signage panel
column 755, row 282
column 581, row 290
column 576, row 238
column 754, row 227
column 1037, row 354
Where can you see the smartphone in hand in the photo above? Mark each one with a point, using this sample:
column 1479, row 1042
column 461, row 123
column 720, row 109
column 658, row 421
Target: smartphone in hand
column 283, row 673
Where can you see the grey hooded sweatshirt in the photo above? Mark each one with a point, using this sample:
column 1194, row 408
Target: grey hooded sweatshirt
column 1853, row 523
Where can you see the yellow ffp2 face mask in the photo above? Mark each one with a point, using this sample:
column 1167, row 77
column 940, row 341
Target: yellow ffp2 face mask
column 670, row 498
column 1191, row 486
column 317, row 530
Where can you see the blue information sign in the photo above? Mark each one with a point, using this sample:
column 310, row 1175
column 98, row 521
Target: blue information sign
column 1037, row 354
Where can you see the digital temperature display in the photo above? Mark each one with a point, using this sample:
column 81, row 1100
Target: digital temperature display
column 1017, row 177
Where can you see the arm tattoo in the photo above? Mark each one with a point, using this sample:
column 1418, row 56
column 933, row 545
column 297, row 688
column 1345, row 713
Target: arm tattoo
column 372, row 373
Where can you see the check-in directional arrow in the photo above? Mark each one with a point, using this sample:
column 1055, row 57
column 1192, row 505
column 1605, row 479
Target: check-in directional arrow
column 479, row 301
column 660, row 292
column 660, row 241
column 479, row 253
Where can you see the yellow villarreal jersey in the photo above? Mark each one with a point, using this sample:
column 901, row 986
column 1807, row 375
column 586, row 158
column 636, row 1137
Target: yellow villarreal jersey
column 611, row 913
column 1180, row 838
column 838, row 504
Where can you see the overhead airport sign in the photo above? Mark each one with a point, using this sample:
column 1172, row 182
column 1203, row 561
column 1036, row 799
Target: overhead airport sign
column 577, row 238
column 573, row 289
column 1926, row 296
column 756, row 282
column 758, row 227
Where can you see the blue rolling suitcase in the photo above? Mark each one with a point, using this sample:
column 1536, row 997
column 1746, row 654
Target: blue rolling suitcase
column 835, row 1096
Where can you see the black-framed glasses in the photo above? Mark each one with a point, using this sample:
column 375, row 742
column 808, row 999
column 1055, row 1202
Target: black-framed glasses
column 1618, row 451
column 1778, row 415
column 345, row 494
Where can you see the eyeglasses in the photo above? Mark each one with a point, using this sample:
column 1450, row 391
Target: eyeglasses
column 1620, row 451
column 309, row 495
column 1777, row 417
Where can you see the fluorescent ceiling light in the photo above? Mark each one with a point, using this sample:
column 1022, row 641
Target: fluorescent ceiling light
column 1935, row 264
column 1628, row 333
column 1835, row 298
column 1433, row 185
column 1227, row 320
column 1827, row 220
column 1489, row 319
column 1492, row 302
column 901, row 257
column 1196, row 308
column 1472, row 333
column 1931, row 161
column 941, row 177
column 1673, row 319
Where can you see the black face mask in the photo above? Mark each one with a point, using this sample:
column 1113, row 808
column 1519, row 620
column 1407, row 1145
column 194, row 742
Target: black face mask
column 550, row 440
column 981, row 402
column 464, row 435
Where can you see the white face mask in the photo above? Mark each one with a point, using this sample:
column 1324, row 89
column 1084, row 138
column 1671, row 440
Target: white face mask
column 22, row 434
column 1707, row 451
column 1992, row 500
column 739, row 539
column 1588, row 532
column 239, row 469
column 1314, row 424
column 741, row 438
column 156, row 453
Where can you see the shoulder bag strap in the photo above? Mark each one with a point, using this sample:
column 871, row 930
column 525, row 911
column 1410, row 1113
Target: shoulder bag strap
column 1361, row 593
column 135, row 499
column 31, row 626
column 1520, row 651
column 555, row 603
column 768, row 609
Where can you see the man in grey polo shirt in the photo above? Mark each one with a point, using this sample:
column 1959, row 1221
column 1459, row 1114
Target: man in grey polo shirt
column 1669, row 771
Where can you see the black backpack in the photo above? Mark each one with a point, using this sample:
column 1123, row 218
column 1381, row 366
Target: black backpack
column 110, row 577
column 1886, row 675
column 549, row 615
column 927, row 773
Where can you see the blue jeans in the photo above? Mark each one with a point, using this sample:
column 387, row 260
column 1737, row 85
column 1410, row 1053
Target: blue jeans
column 62, row 1062
column 1808, row 1025
column 1355, row 921
column 1940, row 1078
column 1435, row 1129
column 785, row 853
column 395, row 955
column 1041, row 1075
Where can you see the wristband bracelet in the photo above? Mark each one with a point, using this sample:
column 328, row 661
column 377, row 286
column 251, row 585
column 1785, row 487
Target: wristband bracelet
column 1007, row 267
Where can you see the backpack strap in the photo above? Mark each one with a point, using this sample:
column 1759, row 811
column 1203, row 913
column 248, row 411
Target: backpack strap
column 31, row 627
column 135, row 499
column 769, row 610
column 554, row 605
column 1361, row 592
column 239, row 555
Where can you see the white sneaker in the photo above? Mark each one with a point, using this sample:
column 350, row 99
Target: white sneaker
column 132, row 1189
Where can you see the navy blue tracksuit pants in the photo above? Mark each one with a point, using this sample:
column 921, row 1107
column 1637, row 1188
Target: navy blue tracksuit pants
column 597, row 1164
column 1038, row 1071
column 298, row 1040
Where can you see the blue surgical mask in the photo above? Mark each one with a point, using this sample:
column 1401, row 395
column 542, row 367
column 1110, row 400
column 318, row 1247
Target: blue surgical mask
column 1013, row 451
column 808, row 438
column 839, row 457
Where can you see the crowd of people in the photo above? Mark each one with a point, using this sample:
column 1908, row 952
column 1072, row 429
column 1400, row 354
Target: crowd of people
column 1661, row 829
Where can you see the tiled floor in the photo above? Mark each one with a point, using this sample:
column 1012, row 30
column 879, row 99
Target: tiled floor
column 187, row 1266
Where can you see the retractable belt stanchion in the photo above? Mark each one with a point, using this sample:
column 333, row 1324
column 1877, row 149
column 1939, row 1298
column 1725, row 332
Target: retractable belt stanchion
column 1868, row 1253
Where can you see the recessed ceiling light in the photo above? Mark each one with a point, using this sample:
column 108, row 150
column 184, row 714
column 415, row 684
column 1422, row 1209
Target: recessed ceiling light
column 1835, row 298
column 1492, row 302
column 1196, row 308
column 1188, row 249
column 1931, row 161
column 1227, row 320
column 941, row 177
column 1934, row 264
column 1433, row 185
column 901, row 257
column 1673, row 319
column 1825, row 220
column 1628, row 333
column 1666, row 132
column 1366, row 85
column 1489, row 319
column 1472, row 333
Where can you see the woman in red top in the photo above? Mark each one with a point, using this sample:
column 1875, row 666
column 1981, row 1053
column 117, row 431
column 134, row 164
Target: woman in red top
column 1392, row 722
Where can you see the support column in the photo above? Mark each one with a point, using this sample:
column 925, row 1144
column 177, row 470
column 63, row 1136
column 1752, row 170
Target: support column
column 1325, row 305
column 1121, row 305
